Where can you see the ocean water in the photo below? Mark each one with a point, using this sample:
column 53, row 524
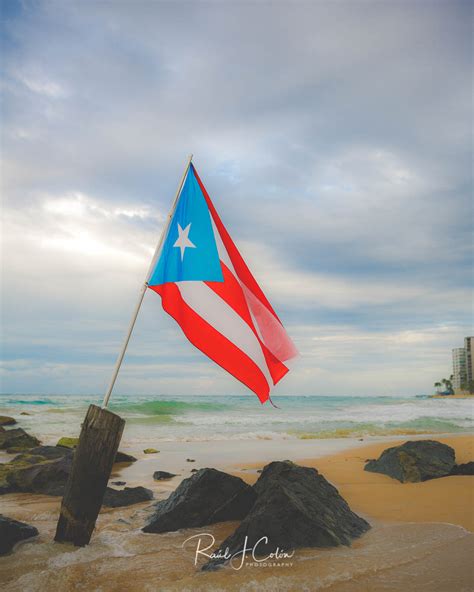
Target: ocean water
column 203, row 418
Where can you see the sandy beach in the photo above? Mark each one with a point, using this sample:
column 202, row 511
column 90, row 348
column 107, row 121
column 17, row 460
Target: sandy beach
column 421, row 536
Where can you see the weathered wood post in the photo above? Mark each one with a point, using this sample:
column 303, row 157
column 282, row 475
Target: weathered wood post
column 93, row 459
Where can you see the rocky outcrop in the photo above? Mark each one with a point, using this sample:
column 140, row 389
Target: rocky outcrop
column 115, row 498
column 414, row 461
column 12, row 532
column 5, row 420
column 162, row 475
column 17, row 440
column 463, row 469
column 206, row 497
column 48, row 477
column 43, row 469
column 295, row 507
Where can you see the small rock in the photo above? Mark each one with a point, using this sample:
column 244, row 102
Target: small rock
column 119, row 482
column 17, row 440
column 25, row 413
column 259, row 470
column 193, row 471
column 190, row 460
column 207, row 497
column 150, row 451
column 116, row 498
column 122, row 457
column 414, row 461
column 161, row 475
column 13, row 531
column 67, row 442
column 464, row 469
column 5, row 420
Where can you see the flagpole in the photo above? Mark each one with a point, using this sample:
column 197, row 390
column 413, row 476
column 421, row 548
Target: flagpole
column 143, row 290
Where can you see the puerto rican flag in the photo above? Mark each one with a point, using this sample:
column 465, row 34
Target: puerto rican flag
column 208, row 289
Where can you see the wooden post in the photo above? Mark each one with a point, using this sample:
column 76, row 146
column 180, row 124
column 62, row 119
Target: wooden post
column 93, row 460
column 99, row 442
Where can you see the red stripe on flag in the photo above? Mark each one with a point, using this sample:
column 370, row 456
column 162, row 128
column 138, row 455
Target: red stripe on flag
column 239, row 264
column 231, row 292
column 212, row 343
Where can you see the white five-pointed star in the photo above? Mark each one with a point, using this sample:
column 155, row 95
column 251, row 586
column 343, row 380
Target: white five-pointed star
column 183, row 242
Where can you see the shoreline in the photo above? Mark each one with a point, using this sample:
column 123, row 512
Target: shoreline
column 420, row 531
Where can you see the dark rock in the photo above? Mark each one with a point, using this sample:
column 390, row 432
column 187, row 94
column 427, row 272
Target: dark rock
column 161, row 475
column 206, row 497
column 25, row 413
column 17, row 440
column 116, row 498
column 464, row 469
column 295, row 507
column 12, row 476
column 48, row 477
column 119, row 482
column 5, row 420
column 193, row 470
column 414, row 461
column 190, row 460
column 121, row 457
column 12, row 532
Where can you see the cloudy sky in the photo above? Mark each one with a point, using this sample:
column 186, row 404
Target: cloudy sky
column 333, row 137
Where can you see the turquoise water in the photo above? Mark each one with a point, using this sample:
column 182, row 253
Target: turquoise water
column 198, row 418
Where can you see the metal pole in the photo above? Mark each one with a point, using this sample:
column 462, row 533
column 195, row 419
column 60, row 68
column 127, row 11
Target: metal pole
column 143, row 289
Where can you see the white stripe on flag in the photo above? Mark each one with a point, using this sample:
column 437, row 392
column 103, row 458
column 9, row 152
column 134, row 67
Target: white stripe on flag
column 215, row 311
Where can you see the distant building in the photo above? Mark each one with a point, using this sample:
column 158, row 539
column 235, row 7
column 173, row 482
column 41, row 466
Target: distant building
column 469, row 347
column 459, row 367
column 463, row 364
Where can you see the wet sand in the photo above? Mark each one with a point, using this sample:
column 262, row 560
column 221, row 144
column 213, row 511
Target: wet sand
column 419, row 540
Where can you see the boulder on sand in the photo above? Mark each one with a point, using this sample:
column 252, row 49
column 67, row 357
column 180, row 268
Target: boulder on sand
column 12, row 532
column 17, row 440
column 6, row 420
column 116, row 498
column 295, row 507
column 206, row 497
column 414, row 461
